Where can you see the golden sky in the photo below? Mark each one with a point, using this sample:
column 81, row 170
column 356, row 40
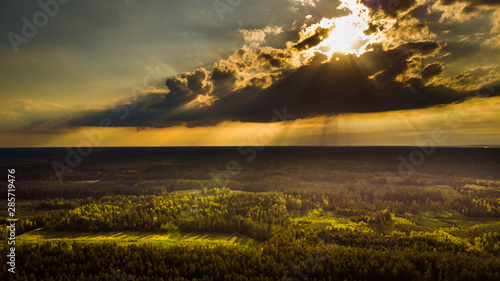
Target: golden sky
column 290, row 72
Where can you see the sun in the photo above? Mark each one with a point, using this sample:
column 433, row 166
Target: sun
column 347, row 34
column 342, row 38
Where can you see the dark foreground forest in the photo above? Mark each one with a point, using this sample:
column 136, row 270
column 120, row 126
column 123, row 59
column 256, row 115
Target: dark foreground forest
column 254, row 214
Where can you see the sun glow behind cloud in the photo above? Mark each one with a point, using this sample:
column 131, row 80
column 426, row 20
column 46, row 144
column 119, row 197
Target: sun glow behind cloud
column 347, row 35
column 341, row 38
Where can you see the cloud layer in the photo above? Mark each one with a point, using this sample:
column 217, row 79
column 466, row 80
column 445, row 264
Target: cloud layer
column 260, row 79
column 402, row 65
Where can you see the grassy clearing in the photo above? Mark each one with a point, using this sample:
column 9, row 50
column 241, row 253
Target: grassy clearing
column 451, row 223
column 135, row 237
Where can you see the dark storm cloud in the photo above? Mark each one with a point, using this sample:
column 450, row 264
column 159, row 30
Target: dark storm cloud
column 431, row 70
column 471, row 2
column 472, row 6
column 351, row 84
column 393, row 7
column 488, row 76
column 390, row 7
column 398, row 60
column 313, row 40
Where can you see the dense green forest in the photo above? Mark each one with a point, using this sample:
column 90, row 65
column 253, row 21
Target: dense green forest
column 312, row 214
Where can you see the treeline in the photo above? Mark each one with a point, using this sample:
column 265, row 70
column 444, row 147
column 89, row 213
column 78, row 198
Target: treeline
column 281, row 258
column 97, row 188
column 253, row 214
column 355, row 196
column 215, row 210
column 347, row 201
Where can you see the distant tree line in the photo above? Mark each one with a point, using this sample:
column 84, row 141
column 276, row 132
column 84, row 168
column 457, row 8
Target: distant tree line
column 280, row 258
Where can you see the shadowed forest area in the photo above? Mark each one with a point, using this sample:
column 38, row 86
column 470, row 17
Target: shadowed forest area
column 274, row 213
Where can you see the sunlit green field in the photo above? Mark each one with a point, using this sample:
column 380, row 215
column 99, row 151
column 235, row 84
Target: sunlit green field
column 135, row 237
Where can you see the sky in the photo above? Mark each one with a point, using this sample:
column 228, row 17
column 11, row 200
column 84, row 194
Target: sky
column 250, row 73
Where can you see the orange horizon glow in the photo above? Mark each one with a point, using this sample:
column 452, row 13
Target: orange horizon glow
column 396, row 128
